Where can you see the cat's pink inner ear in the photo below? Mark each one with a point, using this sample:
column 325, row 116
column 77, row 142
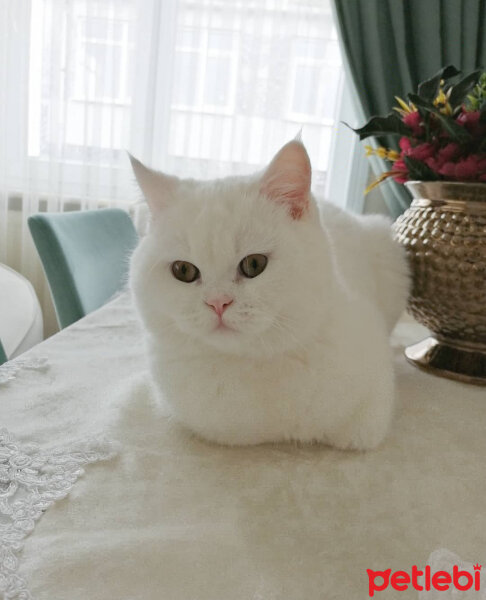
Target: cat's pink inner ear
column 287, row 180
column 156, row 187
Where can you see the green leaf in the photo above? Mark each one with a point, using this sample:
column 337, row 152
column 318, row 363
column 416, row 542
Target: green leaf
column 461, row 89
column 418, row 170
column 458, row 134
column 421, row 103
column 473, row 102
column 391, row 124
column 428, row 89
column 482, row 115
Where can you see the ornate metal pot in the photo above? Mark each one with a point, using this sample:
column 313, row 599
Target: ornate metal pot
column 444, row 233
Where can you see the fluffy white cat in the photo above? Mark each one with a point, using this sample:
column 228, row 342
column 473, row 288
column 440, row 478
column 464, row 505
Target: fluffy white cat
column 266, row 320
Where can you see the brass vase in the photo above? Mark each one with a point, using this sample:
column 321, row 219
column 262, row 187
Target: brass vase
column 444, row 234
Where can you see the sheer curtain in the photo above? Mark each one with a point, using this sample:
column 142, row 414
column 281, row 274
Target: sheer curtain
column 200, row 88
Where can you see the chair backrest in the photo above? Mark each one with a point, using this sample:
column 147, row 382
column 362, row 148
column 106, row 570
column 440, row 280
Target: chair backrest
column 3, row 356
column 85, row 257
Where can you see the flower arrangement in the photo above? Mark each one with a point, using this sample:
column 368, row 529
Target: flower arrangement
column 442, row 131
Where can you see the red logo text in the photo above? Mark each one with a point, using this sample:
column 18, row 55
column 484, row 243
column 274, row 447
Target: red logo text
column 424, row 580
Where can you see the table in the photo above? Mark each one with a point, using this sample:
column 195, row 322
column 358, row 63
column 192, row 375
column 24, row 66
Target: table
column 172, row 517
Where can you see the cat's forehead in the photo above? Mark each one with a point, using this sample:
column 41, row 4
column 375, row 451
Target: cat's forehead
column 220, row 219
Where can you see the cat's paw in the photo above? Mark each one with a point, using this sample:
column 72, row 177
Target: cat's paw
column 366, row 428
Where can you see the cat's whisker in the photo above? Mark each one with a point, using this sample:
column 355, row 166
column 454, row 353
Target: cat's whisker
column 282, row 322
column 263, row 343
column 288, row 332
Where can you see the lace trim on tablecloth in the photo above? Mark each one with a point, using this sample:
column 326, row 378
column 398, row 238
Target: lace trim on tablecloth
column 31, row 480
column 9, row 370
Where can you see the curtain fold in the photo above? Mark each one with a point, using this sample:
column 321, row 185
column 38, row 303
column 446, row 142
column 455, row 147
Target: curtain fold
column 393, row 45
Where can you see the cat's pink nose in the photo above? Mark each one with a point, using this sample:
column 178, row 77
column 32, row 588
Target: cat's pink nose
column 220, row 304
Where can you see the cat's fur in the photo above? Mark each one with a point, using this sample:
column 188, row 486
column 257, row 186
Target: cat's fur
column 308, row 358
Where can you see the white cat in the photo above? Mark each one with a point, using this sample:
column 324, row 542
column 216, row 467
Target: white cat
column 263, row 323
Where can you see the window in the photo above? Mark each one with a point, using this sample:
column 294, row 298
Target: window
column 253, row 67
column 204, row 88
column 205, row 67
column 81, row 86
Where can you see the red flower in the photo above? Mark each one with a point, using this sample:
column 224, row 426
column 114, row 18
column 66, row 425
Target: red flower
column 422, row 151
column 467, row 168
column 433, row 163
column 401, row 171
column 470, row 120
column 414, row 121
column 471, row 168
column 448, row 169
column 449, row 152
column 405, row 143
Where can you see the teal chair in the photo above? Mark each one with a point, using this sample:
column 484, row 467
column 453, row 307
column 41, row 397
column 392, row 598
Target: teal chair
column 85, row 257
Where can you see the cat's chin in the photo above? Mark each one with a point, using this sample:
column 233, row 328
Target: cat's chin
column 244, row 339
column 236, row 343
column 227, row 340
column 222, row 328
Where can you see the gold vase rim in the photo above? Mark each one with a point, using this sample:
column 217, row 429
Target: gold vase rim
column 448, row 190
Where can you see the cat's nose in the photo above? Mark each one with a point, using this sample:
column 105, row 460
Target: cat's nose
column 220, row 304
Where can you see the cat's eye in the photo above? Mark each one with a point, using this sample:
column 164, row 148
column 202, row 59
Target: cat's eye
column 253, row 264
column 185, row 271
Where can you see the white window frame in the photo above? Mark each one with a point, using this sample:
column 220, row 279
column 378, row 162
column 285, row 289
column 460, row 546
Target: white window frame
column 203, row 53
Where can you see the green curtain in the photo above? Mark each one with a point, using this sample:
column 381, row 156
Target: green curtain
column 392, row 45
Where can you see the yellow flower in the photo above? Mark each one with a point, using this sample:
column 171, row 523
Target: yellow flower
column 382, row 152
column 405, row 108
column 381, row 178
column 442, row 100
column 377, row 181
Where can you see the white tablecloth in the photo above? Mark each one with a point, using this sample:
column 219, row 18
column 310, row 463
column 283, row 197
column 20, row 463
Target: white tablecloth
column 175, row 518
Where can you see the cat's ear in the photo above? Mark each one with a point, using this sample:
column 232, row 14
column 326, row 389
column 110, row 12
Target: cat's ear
column 287, row 179
column 156, row 187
